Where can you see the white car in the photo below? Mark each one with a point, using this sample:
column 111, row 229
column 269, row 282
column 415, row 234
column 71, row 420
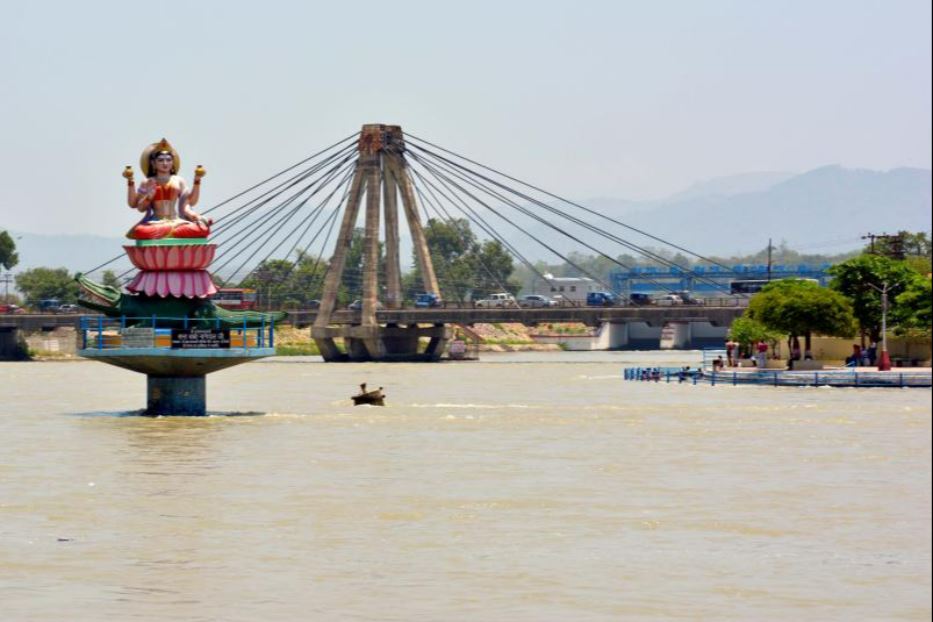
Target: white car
column 534, row 301
column 669, row 300
column 497, row 301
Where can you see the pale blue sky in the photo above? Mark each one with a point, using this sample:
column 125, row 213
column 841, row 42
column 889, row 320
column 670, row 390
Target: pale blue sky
column 611, row 99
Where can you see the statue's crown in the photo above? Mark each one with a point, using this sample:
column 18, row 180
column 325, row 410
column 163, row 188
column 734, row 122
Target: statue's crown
column 163, row 145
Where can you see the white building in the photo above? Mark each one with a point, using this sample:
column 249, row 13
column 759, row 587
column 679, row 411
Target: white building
column 566, row 287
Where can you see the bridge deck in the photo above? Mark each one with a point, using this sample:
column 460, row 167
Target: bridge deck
column 592, row 316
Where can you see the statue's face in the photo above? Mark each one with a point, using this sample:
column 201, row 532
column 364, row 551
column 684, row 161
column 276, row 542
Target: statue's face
column 163, row 164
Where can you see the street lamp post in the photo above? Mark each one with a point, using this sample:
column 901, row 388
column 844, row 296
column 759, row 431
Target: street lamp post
column 884, row 360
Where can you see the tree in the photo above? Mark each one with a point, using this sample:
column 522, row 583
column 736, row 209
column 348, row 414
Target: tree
column 465, row 268
column 747, row 331
column 493, row 267
column 800, row 308
column 913, row 311
column 452, row 246
column 8, row 255
column 109, row 278
column 281, row 283
column 42, row 283
column 861, row 280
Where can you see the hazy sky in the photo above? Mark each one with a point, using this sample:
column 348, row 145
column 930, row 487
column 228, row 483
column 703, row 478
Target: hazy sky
column 610, row 99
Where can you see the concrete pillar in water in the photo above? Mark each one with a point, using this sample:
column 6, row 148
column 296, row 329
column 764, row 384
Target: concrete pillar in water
column 173, row 395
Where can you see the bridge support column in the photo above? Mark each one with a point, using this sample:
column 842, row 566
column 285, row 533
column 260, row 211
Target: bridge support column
column 12, row 345
column 617, row 335
column 382, row 343
column 676, row 336
column 174, row 395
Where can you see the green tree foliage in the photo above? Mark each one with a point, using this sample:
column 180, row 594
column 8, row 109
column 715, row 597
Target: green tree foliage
column 860, row 279
column 747, row 331
column 42, row 283
column 801, row 308
column 913, row 310
column 452, row 245
column 109, row 278
column 915, row 248
column 351, row 285
column 8, row 255
column 494, row 269
column 284, row 284
column 465, row 268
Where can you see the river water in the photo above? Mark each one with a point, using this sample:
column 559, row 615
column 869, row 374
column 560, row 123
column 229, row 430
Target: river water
column 534, row 487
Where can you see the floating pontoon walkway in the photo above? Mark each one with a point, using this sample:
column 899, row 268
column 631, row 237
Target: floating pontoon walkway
column 778, row 378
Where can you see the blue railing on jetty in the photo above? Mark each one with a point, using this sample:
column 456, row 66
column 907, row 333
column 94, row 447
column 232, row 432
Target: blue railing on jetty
column 779, row 378
column 105, row 333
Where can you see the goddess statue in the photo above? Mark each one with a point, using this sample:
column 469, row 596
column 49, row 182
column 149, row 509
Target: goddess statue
column 165, row 197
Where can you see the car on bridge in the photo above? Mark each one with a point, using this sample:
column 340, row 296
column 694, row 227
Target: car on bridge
column 11, row 309
column 669, row 300
column 357, row 305
column 601, row 299
column 688, row 298
column 536, row 301
column 640, row 300
column 500, row 300
column 427, row 300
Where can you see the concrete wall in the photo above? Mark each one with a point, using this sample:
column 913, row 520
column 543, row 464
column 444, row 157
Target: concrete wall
column 61, row 341
column 835, row 348
column 642, row 336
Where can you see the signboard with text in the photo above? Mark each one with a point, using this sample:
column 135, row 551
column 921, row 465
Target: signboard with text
column 192, row 338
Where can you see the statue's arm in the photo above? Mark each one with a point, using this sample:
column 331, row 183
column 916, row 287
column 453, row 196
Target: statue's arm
column 195, row 192
column 143, row 197
column 187, row 199
column 131, row 194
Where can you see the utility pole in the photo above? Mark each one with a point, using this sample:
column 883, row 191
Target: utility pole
column 884, row 360
column 6, row 279
column 893, row 247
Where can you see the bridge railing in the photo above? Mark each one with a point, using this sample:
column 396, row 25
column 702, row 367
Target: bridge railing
column 105, row 333
column 728, row 302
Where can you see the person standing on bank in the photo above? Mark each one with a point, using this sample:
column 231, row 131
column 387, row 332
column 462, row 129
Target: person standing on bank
column 732, row 352
column 761, row 354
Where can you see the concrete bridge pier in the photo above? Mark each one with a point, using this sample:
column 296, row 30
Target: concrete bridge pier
column 12, row 345
column 392, row 342
column 176, row 395
column 676, row 335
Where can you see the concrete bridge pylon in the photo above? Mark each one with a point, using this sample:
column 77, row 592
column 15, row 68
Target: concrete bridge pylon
column 383, row 176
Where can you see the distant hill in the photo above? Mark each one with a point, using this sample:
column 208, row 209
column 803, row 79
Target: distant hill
column 732, row 185
column 806, row 210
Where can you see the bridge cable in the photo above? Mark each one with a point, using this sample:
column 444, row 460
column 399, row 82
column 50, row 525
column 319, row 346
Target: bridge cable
column 343, row 183
column 616, row 261
column 309, row 219
column 569, row 202
column 273, row 228
column 243, row 233
column 452, row 223
column 625, row 243
column 567, row 260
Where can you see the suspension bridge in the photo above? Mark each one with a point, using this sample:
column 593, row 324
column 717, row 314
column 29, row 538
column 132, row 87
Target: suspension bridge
column 368, row 176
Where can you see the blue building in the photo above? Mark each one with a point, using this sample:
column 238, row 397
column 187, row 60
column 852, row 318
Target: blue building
column 707, row 280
